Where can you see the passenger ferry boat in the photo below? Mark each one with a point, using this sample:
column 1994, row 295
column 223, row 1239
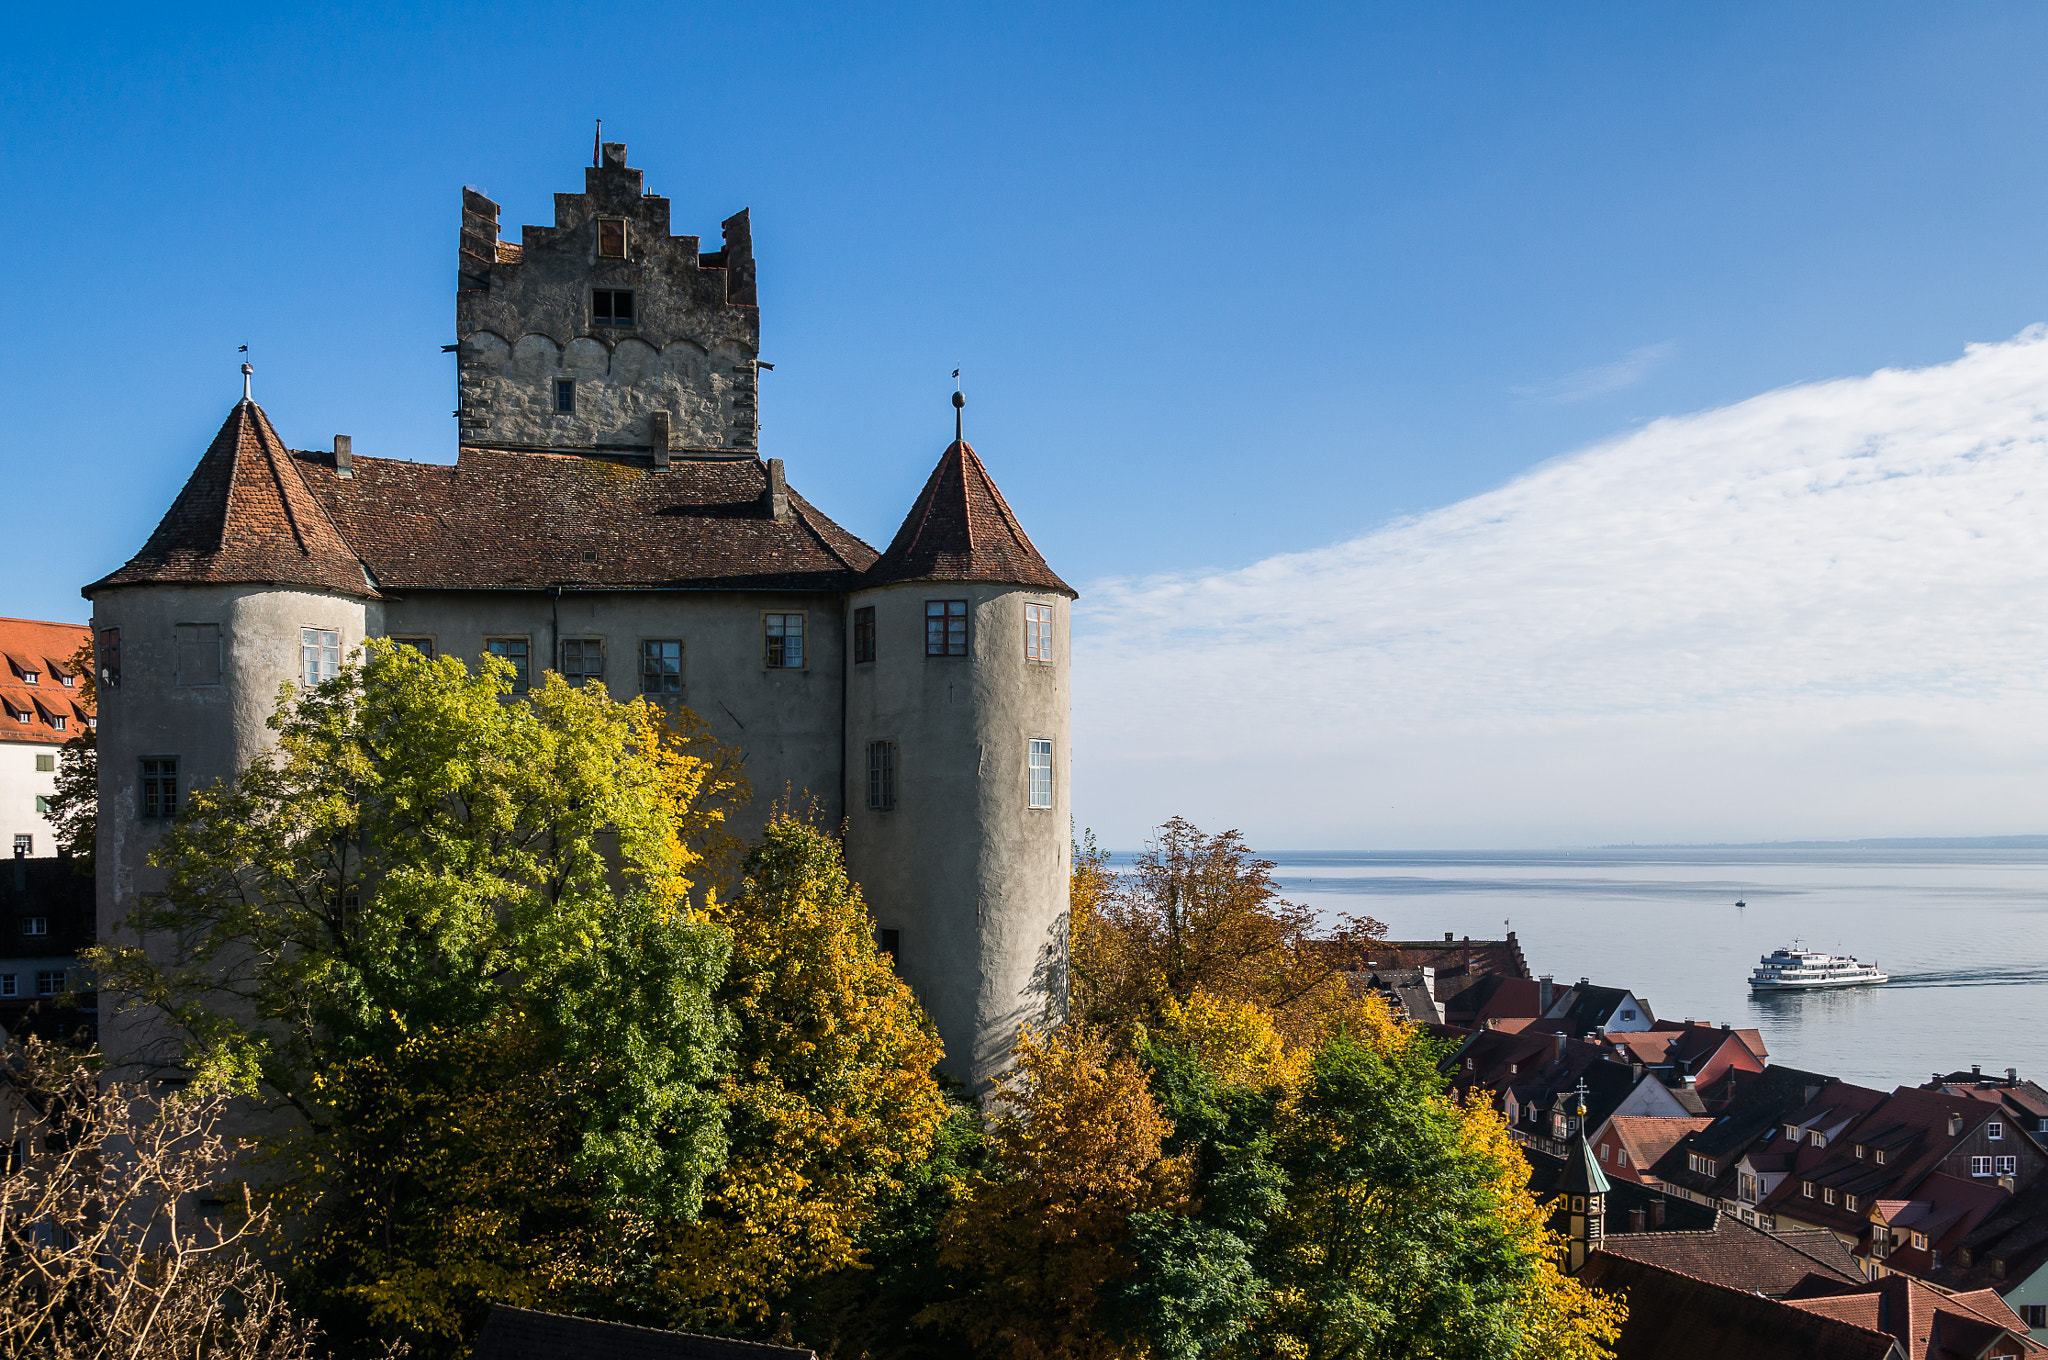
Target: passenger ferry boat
column 1796, row 969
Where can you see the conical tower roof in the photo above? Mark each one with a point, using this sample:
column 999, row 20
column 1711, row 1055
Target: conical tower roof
column 961, row 529
column 245, row 517
column 1582, row 1173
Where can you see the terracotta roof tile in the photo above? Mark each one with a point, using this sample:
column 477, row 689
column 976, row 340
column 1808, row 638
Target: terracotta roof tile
column 1676, row 1316
column 32, row 647
column 1736, row 1255
column 245, row 516
column 961, row 529
column 506, row 520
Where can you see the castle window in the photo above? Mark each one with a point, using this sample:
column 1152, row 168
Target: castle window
column 565, row 396
column 110, row 657
column 611, row 238
column 611, row 306
column 1040, row 760
column 423, row 645
column 582, row 660
column 784, row 637
column 45, row 764
column 945, row 628
column 160, row 787
column 864, row 633
column 198, row 654
column 319, row 655
column 882, row 775
column 24, row 844
column 49, row 981
column 513, row 650
column 1038, row 632
column 887, row 942
column 661, row 666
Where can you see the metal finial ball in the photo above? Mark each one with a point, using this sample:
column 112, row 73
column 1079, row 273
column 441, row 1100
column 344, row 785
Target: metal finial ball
column 959, row 400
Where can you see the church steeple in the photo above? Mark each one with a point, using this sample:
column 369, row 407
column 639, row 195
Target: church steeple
column 1585, row 1190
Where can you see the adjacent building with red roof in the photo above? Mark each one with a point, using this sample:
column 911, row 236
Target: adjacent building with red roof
column 43, row 709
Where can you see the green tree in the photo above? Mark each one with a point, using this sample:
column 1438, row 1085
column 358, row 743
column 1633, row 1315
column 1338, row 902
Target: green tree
column 832, row 1104
column 423, row 870
column 75, row 804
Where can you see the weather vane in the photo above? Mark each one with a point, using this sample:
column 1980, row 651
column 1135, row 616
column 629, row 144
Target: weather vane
column 959, row 408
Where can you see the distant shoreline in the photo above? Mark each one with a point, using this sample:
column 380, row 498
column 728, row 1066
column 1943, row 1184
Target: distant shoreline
column 1874, row 843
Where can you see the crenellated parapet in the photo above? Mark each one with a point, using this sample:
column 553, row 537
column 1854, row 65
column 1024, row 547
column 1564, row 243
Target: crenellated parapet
column 604, row 332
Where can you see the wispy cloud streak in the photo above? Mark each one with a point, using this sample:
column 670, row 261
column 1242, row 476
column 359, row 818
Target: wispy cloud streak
column 1603, row 380
column 1822, row 610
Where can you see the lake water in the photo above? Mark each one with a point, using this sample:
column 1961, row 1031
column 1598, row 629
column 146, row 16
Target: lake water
column 1964, row 935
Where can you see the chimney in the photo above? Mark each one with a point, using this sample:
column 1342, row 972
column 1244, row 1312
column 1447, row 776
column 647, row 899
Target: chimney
column 2012, row 1076
column 1545, row 990
column 1638, row 1219
column 1448, row 937
column 1955, row 1124
column 1727, row 1027
column 777, row 494
column 344, row 456
column 1560, row 1045
column 659, row 438
column 1657, row 1212
column 1976, row 1069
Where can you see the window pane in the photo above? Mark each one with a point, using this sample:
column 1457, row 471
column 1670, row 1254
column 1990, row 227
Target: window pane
column 514, row 651
column 1041, row 773
column 601, row 304
column 1038, row 632
column 882, row 775
column 565, row 396
column 785, row 639
column 864, row 634
column 945, row 628
column 622, row 307
column 661, row 666
column 108, row 657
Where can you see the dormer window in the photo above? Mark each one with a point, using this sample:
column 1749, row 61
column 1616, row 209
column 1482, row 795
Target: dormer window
column 1879, row 1156
column 31, row 677
column 611, row 238
column 1820, row 1140
column 611, row 306
column 67, row 681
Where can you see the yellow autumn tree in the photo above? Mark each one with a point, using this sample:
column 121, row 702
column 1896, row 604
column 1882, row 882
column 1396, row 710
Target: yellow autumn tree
column 831, row 1099
column 1077, row 1154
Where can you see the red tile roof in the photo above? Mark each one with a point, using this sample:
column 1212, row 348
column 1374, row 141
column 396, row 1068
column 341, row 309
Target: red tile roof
column 1734, row 1254
column 961, row 529
column 245, row 516
column 500, row 519
column 1648, row 1137
column 1929, row 1322
column 33, row 647
column 1675, row 1316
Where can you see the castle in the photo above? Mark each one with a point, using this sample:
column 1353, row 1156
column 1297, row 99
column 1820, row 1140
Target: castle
column 610, row 517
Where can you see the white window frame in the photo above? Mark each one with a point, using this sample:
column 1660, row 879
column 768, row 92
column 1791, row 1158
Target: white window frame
column 319, row 655
column 50, row 981
column 1995, row 1130
column 1039, row 792
column 2005, row 1166
column 35, row 925
column 9, row 986
column 1980, row 1166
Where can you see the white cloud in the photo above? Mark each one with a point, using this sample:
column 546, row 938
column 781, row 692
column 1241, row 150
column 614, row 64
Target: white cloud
column 1822, row 611
column 1603, row 379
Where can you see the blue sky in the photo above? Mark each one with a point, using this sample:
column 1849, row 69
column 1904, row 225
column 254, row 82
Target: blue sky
column 1226, row 281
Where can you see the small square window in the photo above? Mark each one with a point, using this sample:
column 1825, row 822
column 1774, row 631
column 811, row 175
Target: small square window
column 1980, row 1166
column 1040, row 757
column 2005, row 1166
column 31, row 677
column 43, row 804
column 2035, row 1315
column 319, row 655
column 582, row 660
column 945, row 628
column 611, row 306
column 661, row 666
column 45, row 764
column 35, row 925
column 864, row 634
column 57, row 721
column 67, row 680
column 1994, row 1130
column 8, row 985
column 25, row 844
column 1038, row 632
column 887, row 942
column 49, row 981
column 1920, row 1241
column 513, row 650
column 784, row 634
column 1806, row 1189
column 565, row 396
column 882, row 775
column 423, row 645
column 160, row 787
column 611, row 238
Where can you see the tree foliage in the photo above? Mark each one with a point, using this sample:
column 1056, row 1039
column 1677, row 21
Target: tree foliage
column 830, row 1097
column 448, row 938
column 75, row 804
column 101, row 1258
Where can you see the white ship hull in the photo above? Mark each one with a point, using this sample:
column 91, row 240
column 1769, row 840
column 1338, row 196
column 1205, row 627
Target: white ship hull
column 1811, row 984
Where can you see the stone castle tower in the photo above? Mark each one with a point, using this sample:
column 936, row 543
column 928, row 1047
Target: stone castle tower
column 610, row 517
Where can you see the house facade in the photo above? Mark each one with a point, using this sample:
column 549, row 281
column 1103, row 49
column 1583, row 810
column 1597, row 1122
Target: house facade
column 609, row 517
column 42, row 710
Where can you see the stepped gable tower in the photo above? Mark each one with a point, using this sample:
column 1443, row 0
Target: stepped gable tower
column 958, row 747
column 605, row 333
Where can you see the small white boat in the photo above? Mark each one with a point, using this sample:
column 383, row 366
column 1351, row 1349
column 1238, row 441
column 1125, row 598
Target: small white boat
column 1796, row 970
